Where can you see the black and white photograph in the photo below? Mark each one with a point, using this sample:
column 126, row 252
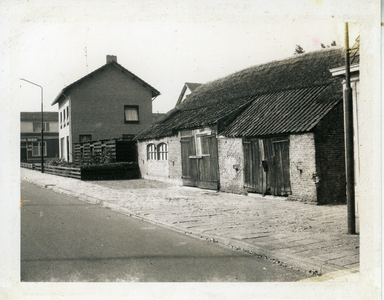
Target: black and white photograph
column 191, row 150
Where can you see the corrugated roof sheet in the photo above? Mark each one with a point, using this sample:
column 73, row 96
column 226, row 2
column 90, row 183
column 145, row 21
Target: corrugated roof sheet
column 202, row 116
column 288, row 111
column 355, row 52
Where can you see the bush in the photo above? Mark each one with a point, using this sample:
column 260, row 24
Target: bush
column 60, row 162
column 111, row 166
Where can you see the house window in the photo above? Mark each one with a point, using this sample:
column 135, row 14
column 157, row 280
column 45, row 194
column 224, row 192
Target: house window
column 151, row 152
column 61, row 120
column 67, row 115
column 62, row 147
column 131, row 114
column 37, row 126
column 85, row 138
column 36, row 147
column 64, row 116
column 162, row 151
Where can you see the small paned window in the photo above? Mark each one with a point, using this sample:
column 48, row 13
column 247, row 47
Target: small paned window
column 151, row 152
column 64, row 116
column 131, row 114
column 162, row 151
column 36, row 149
column 67, row 115
column 85, row 138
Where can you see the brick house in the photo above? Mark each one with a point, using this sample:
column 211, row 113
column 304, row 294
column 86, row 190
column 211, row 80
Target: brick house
column 111, row 102
column 30, row 136
column 275, row 128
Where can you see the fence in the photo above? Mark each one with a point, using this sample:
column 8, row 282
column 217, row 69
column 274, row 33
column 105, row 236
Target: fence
column 117, row 171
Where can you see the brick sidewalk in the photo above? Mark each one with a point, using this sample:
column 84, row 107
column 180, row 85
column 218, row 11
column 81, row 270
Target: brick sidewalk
column 305, row 237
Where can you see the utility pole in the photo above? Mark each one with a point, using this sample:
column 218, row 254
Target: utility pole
column 349, row 143
column 42, row 125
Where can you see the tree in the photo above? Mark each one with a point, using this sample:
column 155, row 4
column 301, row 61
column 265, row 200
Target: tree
column 333, row 43
column 299, row 50
column 322, row 45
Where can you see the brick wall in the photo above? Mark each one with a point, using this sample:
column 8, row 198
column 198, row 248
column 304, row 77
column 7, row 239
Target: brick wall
column 303, row 167
column 330, row 158
column 231, row 161
column 168, row 170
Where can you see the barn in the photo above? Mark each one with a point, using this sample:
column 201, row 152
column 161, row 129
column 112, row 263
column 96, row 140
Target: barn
column 274, row 129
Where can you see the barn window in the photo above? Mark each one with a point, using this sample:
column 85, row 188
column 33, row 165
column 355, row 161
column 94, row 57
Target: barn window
column 151, row 152
column 162, row 151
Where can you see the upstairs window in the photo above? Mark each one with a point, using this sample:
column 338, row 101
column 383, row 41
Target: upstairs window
column 67, row 115
column 162, row 151
column 131, row 114
column 151, row 152
column 37, row 126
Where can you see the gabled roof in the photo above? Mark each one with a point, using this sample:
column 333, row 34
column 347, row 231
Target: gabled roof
column 36, row 116
column 155, row 92
column 191, row 86
column 301, row 85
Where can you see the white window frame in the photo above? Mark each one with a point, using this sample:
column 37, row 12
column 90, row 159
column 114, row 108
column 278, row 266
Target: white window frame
column 151, row 152
column 162, row 151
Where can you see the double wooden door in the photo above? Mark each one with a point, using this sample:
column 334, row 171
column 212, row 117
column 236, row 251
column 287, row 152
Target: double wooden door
column 266, row 166
column 199, row 161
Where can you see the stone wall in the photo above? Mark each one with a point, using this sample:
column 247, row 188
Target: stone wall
column 163, row 170
column 231, row 162
column 303, row 167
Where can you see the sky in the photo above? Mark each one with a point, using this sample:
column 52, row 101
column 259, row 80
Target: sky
column 164, row 51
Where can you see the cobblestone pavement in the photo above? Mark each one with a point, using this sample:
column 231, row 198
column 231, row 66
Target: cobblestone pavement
column 306, row 237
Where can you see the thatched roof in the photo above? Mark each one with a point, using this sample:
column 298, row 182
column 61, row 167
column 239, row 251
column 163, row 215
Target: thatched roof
column 214, row 101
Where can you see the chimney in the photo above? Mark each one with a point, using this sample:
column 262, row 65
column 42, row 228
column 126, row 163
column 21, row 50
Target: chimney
column 111, row 58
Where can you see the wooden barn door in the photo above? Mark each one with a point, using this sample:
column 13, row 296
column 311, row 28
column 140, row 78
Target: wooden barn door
column 188, row 161
column 266, row 166
column 208, row 163
column 253, row 170
column 281, row 183
column 199, row 161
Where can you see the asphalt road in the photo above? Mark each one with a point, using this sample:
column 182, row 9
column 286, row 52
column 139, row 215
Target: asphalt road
column 67, row 240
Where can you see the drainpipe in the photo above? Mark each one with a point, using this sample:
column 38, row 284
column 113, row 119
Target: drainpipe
column 348, row 133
